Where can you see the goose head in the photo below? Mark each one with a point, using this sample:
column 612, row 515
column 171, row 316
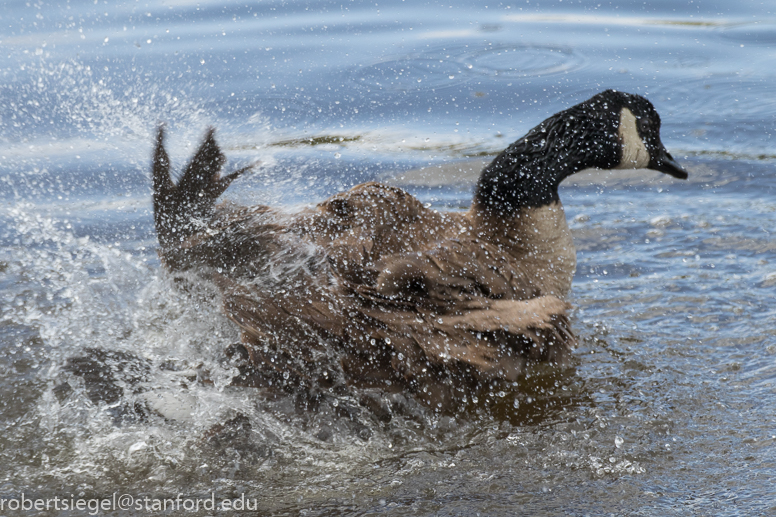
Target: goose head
column 611, row 130
column 638, row 134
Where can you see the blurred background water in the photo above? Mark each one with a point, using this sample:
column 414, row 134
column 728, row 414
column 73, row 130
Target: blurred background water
column 668, row 406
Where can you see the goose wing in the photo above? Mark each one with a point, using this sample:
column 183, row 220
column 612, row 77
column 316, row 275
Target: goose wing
column 462, row 303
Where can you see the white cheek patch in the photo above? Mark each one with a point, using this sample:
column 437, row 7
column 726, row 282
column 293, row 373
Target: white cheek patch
column 634, row 152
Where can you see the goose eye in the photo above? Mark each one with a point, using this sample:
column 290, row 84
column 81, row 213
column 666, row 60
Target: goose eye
column 644, row 126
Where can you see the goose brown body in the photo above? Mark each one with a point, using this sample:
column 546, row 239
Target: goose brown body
column 371, row 288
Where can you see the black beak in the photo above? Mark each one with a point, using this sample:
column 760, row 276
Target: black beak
column 664, row 162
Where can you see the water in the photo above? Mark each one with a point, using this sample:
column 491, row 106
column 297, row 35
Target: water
column 667, row 407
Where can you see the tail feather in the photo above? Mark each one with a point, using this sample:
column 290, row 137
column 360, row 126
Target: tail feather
column 177, row 206
column 163, row 185
column 200, row 184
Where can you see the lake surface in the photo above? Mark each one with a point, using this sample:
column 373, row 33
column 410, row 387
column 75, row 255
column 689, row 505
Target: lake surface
column 669, row 405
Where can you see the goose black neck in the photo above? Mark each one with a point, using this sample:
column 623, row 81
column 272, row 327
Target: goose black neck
column 528, row 173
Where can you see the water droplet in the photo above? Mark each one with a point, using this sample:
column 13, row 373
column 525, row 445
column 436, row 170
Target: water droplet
column 137, row 446
column 618, row 441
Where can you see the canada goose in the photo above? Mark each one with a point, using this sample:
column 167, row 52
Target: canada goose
column 370, row 288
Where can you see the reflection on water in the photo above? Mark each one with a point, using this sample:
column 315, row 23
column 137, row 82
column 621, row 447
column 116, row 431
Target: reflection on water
column 666, row 407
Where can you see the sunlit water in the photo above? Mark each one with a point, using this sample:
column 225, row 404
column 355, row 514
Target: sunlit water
column 669, row 404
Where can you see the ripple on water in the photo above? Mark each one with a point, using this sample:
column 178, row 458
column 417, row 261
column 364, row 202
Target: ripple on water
column 731, row 95
column 454, row 65
column 522, row 60
column 412, row 73
column 745, row 99
column 757, row 33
